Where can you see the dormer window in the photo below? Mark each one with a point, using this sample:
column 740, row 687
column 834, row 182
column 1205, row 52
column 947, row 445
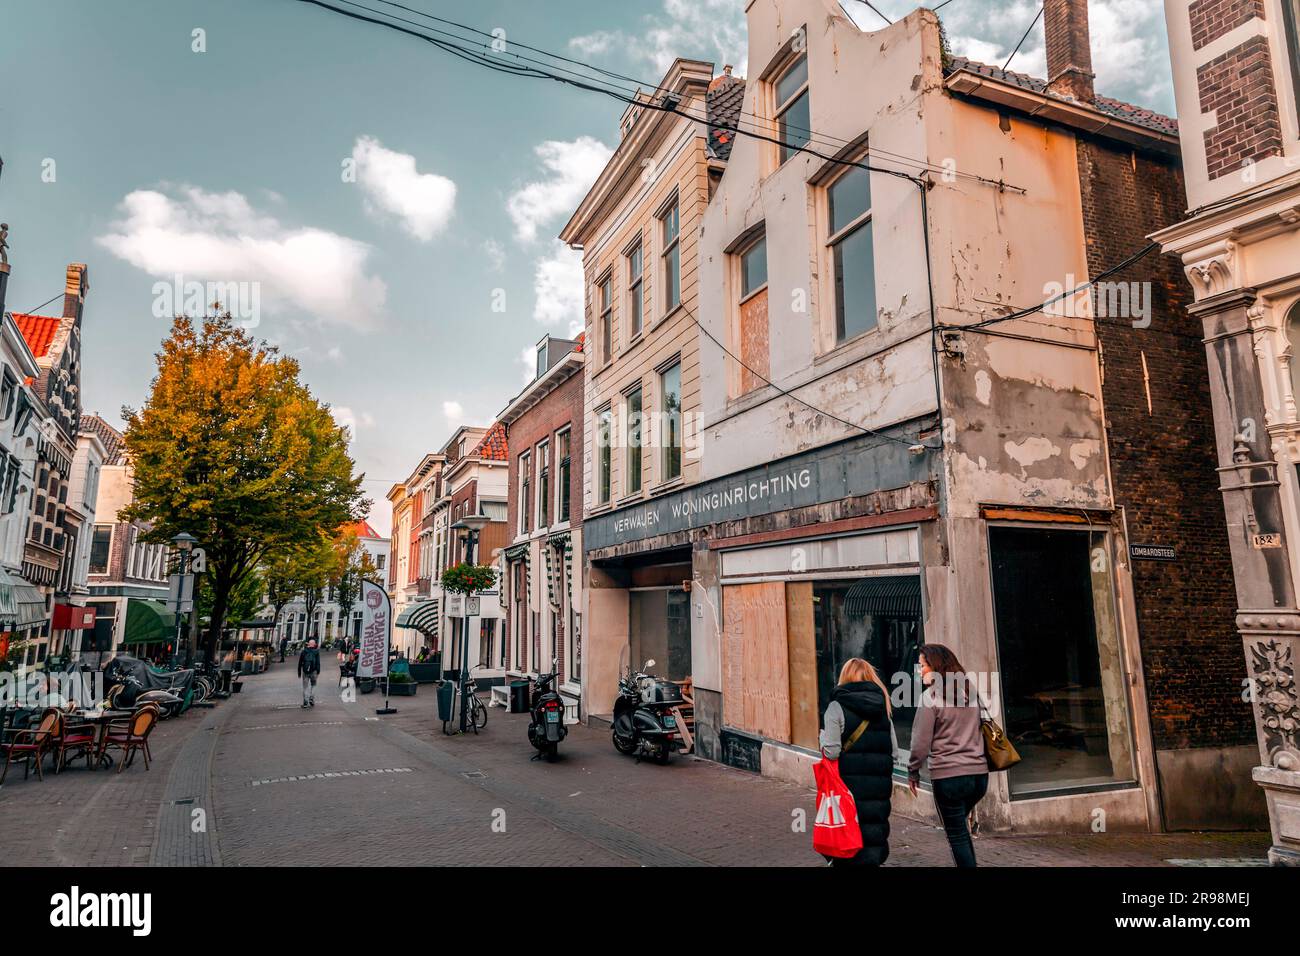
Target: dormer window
column 793, row 118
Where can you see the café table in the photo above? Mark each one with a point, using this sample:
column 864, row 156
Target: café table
column 100, row 719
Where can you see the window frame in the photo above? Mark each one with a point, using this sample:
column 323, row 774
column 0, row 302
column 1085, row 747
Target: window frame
column 634, row 480
column 665, row 422
column 604, row 456
column 543, row 452
column 525, row 490
column 782, row 107
column 605, row 316
column 670, row 210
column 864, row 220
column 563, row 474
column 635, row 288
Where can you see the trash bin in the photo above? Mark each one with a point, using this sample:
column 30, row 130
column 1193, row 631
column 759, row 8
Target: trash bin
column 519, row 696
column 225, row 682
column 445, row 691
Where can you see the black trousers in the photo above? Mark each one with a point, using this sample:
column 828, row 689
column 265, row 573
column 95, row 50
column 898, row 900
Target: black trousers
column 955, row 798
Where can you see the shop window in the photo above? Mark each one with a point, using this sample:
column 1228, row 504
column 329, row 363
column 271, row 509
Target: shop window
column 879, row 620
column 1060, row 668
column 660, row 630
column 852, row 254
column 487, row 630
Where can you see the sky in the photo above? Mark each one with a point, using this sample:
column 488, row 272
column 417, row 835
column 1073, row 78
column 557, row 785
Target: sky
column 388, row 210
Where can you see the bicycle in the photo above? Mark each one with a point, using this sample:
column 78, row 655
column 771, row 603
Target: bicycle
column 476, row 711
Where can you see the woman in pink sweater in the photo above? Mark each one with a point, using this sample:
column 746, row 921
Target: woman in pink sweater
column 946, row 733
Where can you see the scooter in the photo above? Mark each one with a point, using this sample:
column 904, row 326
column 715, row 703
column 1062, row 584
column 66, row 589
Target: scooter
column 642, row 723
column 546, row 716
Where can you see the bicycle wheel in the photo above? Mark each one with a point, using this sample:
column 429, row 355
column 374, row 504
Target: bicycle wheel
column 479, row 715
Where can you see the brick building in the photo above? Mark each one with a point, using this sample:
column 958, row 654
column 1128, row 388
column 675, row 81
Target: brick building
column 1237, row 84
column 919, row 424
column 542, row 570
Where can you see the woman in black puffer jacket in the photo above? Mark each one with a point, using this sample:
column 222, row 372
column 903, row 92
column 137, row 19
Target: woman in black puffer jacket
column 867, row 757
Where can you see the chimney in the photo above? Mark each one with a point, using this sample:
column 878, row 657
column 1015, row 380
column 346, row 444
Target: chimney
column 1069, row 49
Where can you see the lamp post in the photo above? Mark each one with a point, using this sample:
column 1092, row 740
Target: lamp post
column 184, row 544
column 472, row 525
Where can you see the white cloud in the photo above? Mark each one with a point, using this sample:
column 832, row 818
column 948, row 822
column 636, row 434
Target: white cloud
column 350, row 420
column 571, row 168
column 528, row 363
column 557, row 288
column 424, row 202
column 221, row 237
column 454, row 413
column 496, row 254
column 711, row 29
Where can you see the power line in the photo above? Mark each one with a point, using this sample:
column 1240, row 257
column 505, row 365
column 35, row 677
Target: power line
column 1041, row 7
column 43, row 304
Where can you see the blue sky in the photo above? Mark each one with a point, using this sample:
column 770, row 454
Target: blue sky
column 410, row 292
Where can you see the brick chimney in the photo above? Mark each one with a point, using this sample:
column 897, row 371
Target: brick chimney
column 1069, row 49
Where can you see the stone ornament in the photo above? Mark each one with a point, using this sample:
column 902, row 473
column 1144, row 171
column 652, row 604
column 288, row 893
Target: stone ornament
column 1279, row 705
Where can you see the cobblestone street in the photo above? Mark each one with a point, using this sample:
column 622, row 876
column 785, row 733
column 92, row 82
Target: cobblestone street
column 279, row 785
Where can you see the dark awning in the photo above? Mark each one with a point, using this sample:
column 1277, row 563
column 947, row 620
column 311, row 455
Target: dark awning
column 422, row 617
column 147, row 622
column 21, row 605
column 895, row 596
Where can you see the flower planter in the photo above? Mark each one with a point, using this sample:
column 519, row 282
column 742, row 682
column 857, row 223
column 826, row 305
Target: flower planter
column 402, row 690
column 366, row 684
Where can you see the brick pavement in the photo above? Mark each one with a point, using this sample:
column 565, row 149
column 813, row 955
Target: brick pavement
column 284, row 787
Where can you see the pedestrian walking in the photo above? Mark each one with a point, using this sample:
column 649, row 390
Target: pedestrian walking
column 309, row 670
column 284, row 646
column 858, row 731
column 946, row 734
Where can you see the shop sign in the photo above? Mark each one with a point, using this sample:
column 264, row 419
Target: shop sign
column 1152, row 552
column 850, row 468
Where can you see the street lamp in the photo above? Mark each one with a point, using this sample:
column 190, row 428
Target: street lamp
column 473, row 526
column 184, row 544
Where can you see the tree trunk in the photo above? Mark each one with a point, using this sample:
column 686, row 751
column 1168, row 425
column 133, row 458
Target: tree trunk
column 220, row 599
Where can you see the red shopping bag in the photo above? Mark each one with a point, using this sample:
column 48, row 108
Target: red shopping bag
column 835, row 831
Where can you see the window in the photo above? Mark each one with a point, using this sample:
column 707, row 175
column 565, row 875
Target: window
column 525, row 487
column 670, row 387
column 792, row 116
column 635, row 291
column 486, row 636
column 1061, row 670
column 543, row 484
column 603, row 456
column 541, row 360
column 853, row 268
column 753, row 269
column 633, row 434
column 606, row 318
column 379, row 561
column 1291, row 15
column 99, row 549
column 563, row 466
column 671, row 258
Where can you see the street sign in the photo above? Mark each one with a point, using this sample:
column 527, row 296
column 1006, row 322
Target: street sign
column 473, row 607
column 455, row 605
column 180, row 593
column 1152, row 552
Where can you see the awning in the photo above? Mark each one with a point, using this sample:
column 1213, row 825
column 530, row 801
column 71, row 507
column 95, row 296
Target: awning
column 148, row 622
column 895, row 597
column 21, row 604
column 72, row 617
column 422, row 617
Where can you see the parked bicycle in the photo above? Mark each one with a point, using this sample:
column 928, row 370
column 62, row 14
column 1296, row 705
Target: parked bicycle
column 475, row 714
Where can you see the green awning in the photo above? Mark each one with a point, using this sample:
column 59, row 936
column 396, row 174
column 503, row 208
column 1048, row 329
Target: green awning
column 422, row 617
column 148, row 622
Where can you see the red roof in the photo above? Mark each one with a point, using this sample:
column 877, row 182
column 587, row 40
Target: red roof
column 493, row 445
column 38, row 330
column 361, row 529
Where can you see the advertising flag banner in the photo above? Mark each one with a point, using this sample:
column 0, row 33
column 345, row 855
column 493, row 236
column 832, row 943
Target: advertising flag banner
column 376, row 624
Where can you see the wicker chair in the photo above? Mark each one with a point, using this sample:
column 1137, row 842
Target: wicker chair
column 130, row 734
column 31, row 745
column 75, row 737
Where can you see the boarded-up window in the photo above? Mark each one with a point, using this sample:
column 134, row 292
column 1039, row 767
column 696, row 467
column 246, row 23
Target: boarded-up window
column 755, row 664
column 754, row 363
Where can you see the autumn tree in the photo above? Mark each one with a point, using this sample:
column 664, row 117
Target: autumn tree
column 234, row 449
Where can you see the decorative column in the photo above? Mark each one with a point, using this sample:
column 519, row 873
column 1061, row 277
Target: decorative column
column 1267, row 616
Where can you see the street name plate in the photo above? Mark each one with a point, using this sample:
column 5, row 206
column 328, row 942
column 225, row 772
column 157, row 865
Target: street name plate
column 1152, row 552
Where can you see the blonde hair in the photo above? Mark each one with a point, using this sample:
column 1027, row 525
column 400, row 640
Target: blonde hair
column 856, row 670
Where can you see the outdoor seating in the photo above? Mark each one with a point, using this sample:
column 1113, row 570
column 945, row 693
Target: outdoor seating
column 130, row 734
column 73, row 736
column 30, row 745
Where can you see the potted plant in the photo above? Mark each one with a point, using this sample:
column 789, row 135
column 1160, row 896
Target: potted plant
column 402, row 685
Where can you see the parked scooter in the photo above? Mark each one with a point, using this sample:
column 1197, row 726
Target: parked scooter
column 642, row 722
column 546, row 716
